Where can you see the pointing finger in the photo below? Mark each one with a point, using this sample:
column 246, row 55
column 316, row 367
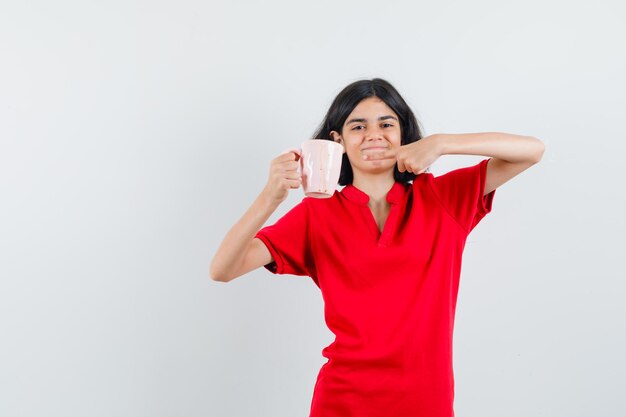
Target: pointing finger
column 378, row 155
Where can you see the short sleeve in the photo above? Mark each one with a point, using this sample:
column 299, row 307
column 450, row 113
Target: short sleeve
column 460, row 192
column 288, row 241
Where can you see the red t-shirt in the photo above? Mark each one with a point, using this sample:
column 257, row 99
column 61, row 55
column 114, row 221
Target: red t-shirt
column 389, row 298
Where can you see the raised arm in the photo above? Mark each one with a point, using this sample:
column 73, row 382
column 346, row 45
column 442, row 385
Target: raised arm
column 510, row 154
column 240, row 252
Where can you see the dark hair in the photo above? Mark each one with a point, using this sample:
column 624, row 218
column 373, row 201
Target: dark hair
column 348, row 99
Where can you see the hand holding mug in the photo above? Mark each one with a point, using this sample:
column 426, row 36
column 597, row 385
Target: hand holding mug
column 283, row 175
column 316, row 165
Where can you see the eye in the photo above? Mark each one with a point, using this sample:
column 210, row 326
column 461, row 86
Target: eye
column 384, row 125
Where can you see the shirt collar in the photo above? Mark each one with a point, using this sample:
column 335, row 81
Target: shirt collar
column 394, row 195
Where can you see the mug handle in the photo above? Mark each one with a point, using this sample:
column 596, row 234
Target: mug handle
column 297, row 151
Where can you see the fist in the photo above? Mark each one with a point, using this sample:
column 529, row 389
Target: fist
column 283, row 175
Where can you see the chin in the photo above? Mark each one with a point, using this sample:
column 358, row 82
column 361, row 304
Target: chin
column 377, row 169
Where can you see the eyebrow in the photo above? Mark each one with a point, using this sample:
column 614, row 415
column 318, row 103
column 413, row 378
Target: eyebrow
column 365, row 120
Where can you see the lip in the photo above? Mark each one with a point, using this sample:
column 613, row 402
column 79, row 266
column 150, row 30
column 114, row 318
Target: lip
column 376, row 147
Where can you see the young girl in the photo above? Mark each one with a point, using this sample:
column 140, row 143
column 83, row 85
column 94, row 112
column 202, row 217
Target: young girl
column 385, row 251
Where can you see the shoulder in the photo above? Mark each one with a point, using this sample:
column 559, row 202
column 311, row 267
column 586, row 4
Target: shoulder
column 314, row 202
column 423, row 180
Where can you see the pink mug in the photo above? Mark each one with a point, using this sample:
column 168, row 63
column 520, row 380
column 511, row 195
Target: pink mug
column 320, row 166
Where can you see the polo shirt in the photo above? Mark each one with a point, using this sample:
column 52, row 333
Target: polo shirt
column 390, row 297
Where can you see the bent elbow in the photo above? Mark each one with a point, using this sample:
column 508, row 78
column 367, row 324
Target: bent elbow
column 216, row 275
column 540, row 148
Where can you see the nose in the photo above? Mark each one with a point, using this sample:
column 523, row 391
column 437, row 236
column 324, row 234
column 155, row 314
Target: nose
column 374, row 133
column 374, row 140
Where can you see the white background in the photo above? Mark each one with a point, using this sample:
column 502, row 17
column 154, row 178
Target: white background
column 133, row 135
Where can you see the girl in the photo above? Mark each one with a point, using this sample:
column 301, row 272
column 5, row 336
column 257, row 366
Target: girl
column 385, row 251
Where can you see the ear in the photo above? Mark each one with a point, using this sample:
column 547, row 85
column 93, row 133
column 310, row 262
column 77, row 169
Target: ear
column 337, row 138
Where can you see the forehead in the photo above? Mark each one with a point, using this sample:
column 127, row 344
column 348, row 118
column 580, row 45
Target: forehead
column 371, row 106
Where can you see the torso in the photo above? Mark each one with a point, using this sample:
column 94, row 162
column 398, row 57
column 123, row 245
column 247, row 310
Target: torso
column 389, row 299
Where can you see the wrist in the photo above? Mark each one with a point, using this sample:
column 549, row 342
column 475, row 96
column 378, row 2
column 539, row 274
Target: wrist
column 441, row 142
column 266, row 200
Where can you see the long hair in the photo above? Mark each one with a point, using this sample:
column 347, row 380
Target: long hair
column 348, row 99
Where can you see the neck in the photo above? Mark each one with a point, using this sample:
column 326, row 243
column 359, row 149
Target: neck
column 375, row 186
